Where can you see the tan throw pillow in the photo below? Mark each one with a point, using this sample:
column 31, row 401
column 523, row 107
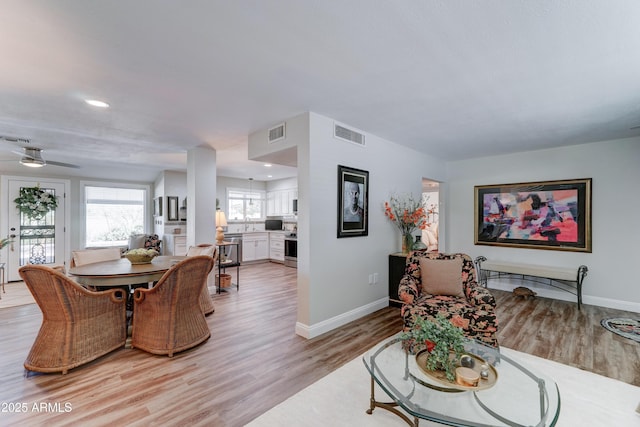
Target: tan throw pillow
column 137, row 241
column 442, row 276
column 201, row 250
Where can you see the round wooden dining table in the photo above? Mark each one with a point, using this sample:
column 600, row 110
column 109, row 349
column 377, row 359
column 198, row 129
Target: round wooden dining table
column 121, row 272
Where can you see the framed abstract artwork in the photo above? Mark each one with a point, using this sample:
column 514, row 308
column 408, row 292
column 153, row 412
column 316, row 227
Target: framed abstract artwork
column 536, row 215
column 353, row 202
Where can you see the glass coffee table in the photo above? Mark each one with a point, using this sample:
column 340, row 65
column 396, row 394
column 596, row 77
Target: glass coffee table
column 519, row 396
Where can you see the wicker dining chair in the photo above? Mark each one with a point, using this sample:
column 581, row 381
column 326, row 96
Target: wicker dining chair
column 167, row 318
column 206, row 302
column 78, row 325
column 89, row 256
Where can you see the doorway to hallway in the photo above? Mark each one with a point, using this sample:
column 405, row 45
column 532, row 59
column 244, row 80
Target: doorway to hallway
column 431, row 202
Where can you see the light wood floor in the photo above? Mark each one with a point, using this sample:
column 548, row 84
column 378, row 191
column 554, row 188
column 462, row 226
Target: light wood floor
column 254, row 360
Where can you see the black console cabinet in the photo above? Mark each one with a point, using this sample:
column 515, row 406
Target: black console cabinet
column 397, row 263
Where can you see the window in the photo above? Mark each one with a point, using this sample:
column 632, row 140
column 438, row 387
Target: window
column 112, row 214
column 245, row 204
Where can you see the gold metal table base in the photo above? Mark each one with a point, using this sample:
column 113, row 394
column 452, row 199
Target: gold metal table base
column 389, row 406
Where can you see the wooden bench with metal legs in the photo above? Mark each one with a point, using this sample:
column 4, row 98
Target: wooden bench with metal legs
column 563, row 278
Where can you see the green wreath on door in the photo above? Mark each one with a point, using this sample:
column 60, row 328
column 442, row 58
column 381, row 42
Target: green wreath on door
column 35, row 203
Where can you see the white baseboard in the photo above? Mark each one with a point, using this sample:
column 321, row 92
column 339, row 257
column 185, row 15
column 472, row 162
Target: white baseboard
column 320, row 328
column 611, row 303
column 546, row 292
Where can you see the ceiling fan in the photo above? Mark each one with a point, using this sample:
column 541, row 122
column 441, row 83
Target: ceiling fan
column 32, row 157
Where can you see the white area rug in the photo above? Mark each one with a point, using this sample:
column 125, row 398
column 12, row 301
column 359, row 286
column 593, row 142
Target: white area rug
column 342, row 397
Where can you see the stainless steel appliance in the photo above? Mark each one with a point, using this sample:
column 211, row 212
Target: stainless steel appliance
column 232, row 255
column 291, row 250
column 273, row 224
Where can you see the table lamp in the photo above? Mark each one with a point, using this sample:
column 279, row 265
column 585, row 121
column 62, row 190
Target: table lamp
column 221, row 221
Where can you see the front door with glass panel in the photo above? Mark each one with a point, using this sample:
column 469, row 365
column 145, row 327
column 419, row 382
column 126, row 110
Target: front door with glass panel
column 37, row 230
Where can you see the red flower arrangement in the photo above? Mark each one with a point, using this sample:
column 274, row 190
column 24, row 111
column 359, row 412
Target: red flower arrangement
column 407, row 214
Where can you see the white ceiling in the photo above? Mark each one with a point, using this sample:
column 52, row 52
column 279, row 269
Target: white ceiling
column 454, row 78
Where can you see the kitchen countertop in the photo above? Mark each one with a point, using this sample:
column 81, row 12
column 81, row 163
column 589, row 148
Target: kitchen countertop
column 254, row 227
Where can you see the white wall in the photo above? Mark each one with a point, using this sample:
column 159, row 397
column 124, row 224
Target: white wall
column 175, row 184
column 282, row 184
column 615, row 170
column 333, row 274
column 169, row 184
column 282, row 152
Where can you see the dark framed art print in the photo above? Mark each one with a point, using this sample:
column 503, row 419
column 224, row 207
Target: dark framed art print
column 353, row 202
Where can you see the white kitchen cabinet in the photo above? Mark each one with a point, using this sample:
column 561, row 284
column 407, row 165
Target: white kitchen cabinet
column 284, row 203
column 280, row 202
column 293, row 195
column 276, row 247
column 276, row 203
column 271, row 203
column 174, row 244
column 255, row 246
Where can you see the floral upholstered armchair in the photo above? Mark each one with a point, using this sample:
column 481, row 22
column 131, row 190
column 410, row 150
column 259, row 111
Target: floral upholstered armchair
column 436, row 283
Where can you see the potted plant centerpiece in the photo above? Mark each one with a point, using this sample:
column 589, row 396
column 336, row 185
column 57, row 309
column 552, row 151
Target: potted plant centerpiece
column 141, row 255
column 441, row 340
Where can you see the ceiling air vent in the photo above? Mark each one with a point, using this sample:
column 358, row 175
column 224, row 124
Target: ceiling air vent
column 277, row 133
column 15, row 139
column 349, row 135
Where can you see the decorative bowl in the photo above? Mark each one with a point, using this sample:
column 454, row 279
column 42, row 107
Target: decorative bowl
column 141, row 256
column 437, row 379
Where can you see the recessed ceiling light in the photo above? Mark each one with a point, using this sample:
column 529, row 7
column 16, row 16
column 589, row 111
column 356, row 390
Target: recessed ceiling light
column 267, row 165
column 96, row 103
column 269, row 176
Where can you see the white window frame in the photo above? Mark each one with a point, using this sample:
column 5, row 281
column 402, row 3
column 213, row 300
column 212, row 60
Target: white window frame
column 83, row 204
column 262, row 200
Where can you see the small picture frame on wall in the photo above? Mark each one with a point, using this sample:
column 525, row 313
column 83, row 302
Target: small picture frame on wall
column 157, row 206
column 353, row 202
column 535, row 215
column 172, row 208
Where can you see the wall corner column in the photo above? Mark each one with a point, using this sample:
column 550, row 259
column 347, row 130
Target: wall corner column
column 201, row 195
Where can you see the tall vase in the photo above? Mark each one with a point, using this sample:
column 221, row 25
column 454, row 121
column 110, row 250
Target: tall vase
column 407, row 243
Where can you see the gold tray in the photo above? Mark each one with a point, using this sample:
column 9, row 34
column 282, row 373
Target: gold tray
column 445, row 385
